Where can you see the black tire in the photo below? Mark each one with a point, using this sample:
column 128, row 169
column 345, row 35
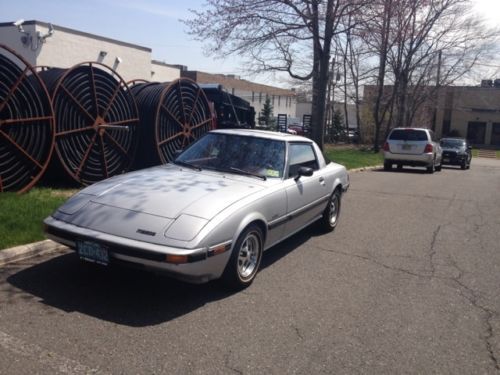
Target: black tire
column 245, row 259
column 387, row 166
column 432, row 167
column 439, row 167
column 400, row 166
column 331, row 214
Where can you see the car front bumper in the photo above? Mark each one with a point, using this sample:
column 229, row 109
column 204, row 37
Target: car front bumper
column 197, row 265
column 454, row 158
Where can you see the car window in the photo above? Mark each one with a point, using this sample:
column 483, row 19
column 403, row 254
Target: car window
column 452, row 143
column 408, row 135
column 236, row 153
column 301, row 155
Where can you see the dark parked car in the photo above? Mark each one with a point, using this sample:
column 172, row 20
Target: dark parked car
column 456, row 151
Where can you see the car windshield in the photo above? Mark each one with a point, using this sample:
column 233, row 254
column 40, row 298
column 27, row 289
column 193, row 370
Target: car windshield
column 452, row 143
column 408, row 135
column 254, row 156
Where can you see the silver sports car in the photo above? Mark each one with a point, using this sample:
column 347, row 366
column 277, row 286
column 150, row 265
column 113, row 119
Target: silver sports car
column 209, row 214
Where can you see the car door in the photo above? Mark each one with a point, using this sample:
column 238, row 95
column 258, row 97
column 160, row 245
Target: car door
column 306, row 196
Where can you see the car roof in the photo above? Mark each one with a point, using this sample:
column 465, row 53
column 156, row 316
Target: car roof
column 411, row 129
column 264, row 134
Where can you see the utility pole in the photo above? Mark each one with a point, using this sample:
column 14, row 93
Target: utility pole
column 436, row 95
column 329, row 104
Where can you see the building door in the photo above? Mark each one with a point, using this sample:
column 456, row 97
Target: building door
column 476, row 132
column 495, row 134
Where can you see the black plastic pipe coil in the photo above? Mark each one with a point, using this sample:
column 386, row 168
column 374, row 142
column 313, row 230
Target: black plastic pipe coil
column 173, row 115
column 96, row 122
column 26, row 124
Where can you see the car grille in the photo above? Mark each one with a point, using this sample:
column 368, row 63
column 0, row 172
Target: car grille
column 449, row 154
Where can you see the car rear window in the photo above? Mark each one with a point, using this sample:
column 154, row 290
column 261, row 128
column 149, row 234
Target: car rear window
column 408, row 135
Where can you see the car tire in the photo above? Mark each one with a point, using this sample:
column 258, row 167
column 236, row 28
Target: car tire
column 400, row 166
column 432, row 167
column 464, row 164
column 331, row 214
column 387, row 166
column 245, row 259
column 439, row 167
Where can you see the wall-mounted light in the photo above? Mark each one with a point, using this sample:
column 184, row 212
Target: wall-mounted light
column 118, row 60
column 103, row 54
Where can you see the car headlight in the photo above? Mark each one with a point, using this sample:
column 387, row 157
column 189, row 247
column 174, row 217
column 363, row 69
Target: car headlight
column 185, row 227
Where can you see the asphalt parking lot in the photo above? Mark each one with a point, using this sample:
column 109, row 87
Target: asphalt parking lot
column 408, row 283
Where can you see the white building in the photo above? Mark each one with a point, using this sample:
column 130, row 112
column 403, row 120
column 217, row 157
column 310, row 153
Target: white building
column 55, row 46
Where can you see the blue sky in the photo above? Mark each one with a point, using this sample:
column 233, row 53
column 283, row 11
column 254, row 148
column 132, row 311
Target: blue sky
column 149, row 23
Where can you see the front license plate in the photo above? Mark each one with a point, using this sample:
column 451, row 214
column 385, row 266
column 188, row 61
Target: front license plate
column 446, row 160
column 92, row 252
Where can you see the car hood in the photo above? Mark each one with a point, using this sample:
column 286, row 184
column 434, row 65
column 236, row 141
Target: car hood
column 149, row 202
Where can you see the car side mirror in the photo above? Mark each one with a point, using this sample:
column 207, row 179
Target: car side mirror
column 469, row 147
column 304, row 171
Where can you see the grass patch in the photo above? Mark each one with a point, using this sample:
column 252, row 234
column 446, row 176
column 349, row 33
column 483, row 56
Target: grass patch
column 474, row 152
column 353, row 158
column 21, row 216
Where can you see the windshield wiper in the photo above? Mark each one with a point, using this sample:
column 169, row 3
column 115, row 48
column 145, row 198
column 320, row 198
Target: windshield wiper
column 186, row 164
column 242, row 171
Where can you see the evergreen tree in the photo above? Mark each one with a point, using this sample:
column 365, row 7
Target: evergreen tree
column 337, row 128
column 267, row 113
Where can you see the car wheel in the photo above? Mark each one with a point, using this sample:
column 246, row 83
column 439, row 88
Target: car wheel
column 464, row 164
column 331, row 213
column 245, row 259
column 387, row 166
column 432, row 167
column 400, row 166
column 438, row 168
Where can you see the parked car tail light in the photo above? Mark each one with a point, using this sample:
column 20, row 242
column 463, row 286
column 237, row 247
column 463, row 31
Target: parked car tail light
column 428, row 148
column 386, row 147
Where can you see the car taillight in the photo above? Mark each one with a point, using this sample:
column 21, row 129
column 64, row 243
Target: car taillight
column 428, row 148
column 386, row 147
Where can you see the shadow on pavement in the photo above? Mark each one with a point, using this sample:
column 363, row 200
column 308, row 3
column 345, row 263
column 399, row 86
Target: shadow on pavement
column 125, row 295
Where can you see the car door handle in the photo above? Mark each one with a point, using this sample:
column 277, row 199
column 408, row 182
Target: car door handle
column 322, row 180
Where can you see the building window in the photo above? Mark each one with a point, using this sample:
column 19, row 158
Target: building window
column 260, row 97
column 279, row 100
column 232, row 91
column 272, row 100
column 253, row 96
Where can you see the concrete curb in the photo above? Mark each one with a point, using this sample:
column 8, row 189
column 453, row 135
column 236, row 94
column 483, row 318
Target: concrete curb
column 22, row 252
column 362, row 169
column 31, row 250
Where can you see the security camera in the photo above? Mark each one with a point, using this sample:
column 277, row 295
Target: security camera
column 19, row 25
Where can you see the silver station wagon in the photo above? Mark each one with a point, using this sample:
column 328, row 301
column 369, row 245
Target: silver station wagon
column 211, row 212
column 416, row 147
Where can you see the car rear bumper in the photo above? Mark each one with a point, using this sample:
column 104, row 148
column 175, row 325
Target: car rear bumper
column 200, row 265
column 423, row 160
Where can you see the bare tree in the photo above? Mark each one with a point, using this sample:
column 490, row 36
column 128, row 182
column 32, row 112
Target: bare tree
column 277, row 35
column 408, row 36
